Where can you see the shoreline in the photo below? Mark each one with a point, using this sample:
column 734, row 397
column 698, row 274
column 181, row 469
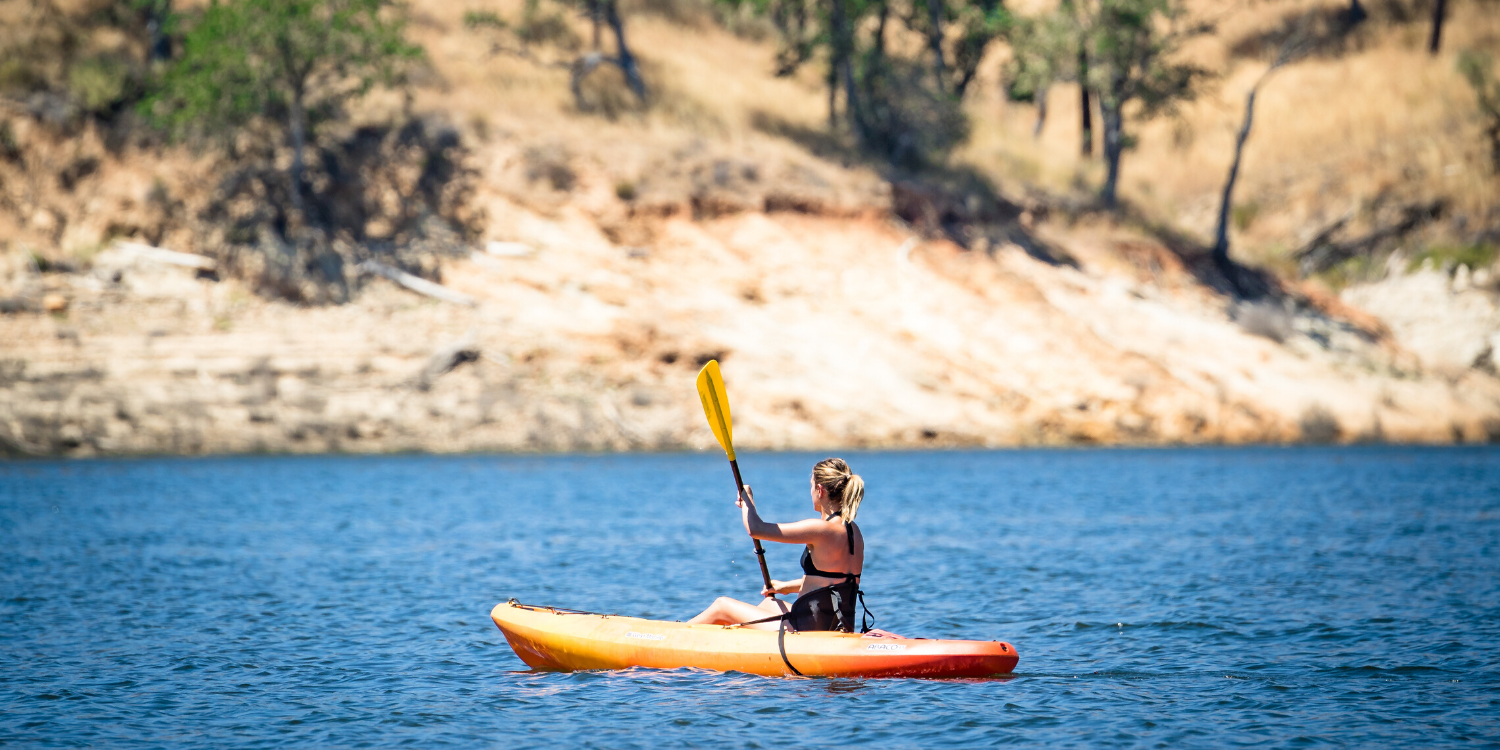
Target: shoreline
column 23, row 459
column 586, row 347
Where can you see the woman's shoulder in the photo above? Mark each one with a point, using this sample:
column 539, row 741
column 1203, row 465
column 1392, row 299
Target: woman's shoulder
column 826, row 526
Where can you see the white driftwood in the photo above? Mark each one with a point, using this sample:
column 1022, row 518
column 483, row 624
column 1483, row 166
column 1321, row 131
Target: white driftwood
column 418, row 284
column 140, row 251
column 509, row 249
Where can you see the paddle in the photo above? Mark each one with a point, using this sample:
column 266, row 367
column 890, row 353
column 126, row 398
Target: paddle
column 716, row 408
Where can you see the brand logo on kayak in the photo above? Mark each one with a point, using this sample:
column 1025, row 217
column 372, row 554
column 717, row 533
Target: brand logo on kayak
column 645, row 636
column 885, row 647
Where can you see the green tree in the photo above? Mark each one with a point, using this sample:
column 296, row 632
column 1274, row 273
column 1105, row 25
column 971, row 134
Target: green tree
column 1130, row 47
column 902, row 116
column 977, row 25
column 291, row 63
column 1044, row 51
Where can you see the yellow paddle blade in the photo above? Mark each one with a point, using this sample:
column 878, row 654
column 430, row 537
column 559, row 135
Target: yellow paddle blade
column 716, row 405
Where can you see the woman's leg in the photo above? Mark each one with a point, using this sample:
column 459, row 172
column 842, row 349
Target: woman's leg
column 727, row 611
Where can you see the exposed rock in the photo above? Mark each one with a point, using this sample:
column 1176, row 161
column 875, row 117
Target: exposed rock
column 1449, row 323
column 831, row 332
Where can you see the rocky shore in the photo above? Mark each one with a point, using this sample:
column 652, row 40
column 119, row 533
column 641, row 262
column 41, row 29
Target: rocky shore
column 833, row 332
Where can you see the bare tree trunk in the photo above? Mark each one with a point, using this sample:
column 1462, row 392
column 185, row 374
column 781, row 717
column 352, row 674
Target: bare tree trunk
column 1114, row 146
column 935, row 41
column 838, row 51
column 297, row 124
column 843, row 52
column 1041, row 112
column 626, row 60
column 879, row 41
column 1086, row 135
column 793, row 48
column 833, row 95
column 160, row 45
column 596, row 17
column 1437, row 27
column 1221, row 231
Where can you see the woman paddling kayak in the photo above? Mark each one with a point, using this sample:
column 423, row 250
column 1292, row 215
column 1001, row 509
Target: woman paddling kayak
column 831, row 564
column 730, row 635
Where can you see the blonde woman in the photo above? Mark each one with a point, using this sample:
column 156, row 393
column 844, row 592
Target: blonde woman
column 831, row 564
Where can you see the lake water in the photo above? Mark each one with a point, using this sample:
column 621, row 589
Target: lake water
column 1266, row 597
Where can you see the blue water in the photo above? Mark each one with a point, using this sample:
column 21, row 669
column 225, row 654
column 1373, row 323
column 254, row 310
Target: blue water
column 1267, row 597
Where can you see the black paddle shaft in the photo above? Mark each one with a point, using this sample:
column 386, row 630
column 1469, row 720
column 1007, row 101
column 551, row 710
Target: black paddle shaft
column 760, row 552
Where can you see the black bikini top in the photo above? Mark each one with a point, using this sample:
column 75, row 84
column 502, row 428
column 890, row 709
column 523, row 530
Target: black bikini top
column 808, row 568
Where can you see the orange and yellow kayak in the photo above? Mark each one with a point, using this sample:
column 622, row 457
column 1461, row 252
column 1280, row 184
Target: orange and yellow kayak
column 566, row 640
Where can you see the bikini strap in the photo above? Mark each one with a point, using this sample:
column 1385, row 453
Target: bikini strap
column 810, row 569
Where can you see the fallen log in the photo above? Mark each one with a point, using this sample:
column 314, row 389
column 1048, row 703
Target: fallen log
column 418, row 284
column 140, row 251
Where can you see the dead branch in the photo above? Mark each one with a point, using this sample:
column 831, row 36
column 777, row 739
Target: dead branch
column 418, row 284
column 1322, row 253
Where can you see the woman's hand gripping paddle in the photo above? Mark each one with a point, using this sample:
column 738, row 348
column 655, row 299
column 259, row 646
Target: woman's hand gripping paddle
column 716, row 408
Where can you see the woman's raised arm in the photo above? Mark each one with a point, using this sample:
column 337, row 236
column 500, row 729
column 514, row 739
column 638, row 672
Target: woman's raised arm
column 809, row 531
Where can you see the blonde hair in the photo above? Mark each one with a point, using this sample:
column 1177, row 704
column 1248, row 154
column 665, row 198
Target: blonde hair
column 844, row 487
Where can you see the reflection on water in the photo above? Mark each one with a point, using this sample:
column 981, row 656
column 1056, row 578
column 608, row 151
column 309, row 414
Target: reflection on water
column 1270, row 596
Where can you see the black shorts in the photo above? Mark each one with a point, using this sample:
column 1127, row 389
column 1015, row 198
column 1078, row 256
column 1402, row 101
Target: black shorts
column 827, row 608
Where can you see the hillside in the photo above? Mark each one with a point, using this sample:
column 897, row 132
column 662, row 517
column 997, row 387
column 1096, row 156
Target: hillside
column 847, row 309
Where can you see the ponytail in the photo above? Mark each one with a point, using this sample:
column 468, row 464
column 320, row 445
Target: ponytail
column 843, row 486
column 854, row 492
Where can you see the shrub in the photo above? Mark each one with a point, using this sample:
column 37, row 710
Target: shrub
column 1478, row 69
column 682, row 12
column 550, row 164
column 905, row 119
column 546, row 27
column 10, row 148
column 1319, row 425
column 1244, row 214
column 477, row 19
column 1475, row 256
column 99, row 83
column 18, row 75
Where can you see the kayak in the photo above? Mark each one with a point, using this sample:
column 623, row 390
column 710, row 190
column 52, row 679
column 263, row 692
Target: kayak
column 556, row 639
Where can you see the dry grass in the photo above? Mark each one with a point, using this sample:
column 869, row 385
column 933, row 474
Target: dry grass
column 1380, row 120
column 705, row 82
column 707, row 87
column 1377, row 120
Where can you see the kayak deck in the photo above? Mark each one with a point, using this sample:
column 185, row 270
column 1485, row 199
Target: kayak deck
column 550, row 638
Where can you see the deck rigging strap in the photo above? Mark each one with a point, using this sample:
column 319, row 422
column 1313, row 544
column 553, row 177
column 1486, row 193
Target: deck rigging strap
column 556, row 610
column 781, row 644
